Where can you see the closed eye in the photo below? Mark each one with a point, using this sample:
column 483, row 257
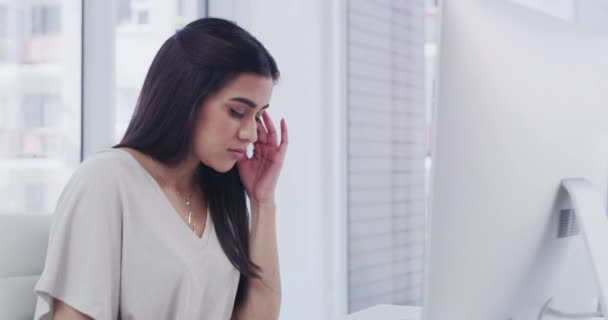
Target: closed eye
column 240, row 115
column 236, row 114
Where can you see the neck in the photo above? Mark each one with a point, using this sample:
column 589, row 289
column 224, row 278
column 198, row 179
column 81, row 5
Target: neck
column 180, row 176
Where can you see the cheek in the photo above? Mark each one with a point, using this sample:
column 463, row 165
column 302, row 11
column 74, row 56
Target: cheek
column 215, row 136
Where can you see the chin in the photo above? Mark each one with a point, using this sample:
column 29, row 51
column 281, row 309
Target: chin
column 223, row 168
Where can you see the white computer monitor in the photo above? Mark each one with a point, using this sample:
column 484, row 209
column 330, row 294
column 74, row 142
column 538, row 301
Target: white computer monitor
column 522, row 103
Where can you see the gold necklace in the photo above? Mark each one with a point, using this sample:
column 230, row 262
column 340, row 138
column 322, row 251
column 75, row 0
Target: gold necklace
column 186, row 199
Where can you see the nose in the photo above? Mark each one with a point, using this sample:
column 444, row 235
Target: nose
column 249, row 131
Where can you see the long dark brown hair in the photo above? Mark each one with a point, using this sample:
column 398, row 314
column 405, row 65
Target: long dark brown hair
column 193, row 64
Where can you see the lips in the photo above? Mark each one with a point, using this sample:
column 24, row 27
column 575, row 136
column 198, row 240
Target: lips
column 240, row 150
column 237, row 153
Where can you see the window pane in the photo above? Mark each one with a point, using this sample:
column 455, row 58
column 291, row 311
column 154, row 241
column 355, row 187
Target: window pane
column 142, row 27
column 39, row 102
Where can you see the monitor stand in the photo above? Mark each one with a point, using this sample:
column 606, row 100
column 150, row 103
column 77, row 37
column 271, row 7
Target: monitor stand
column 593, row 223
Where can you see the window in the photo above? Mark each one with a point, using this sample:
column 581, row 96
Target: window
column 3, row 21
column 34, row 193
column 40, row 91
column 39, row 110
column 142, row 17
column 40, row 103
column 123, row 11
column 133, row 12
column 5, row 33
column 387, row 146
column 4, row 121
column 41, row 125
column 45, row 20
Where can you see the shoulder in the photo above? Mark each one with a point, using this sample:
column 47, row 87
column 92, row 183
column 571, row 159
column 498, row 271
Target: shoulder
column 107, row 159
column 96, row 187
column 107, row 167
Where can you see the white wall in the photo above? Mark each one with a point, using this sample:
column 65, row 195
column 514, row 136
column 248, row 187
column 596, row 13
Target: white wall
column 306, row 39
column 563, row 9
column 591, row 14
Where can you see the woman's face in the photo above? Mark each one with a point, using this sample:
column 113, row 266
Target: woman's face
column 228, row 120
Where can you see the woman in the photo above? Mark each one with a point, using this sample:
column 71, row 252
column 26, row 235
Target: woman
column 158, row 226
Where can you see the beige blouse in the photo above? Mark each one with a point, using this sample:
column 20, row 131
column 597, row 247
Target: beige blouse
column 118, row 250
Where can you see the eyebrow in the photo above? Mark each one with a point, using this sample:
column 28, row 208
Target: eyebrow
column 248, row 102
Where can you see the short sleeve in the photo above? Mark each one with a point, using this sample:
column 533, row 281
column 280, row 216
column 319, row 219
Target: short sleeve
column 82, row 266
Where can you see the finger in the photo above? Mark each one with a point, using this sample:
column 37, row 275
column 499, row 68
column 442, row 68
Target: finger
column 240, row 162
column 272, row 132
column 262, row 134
column 284, row 136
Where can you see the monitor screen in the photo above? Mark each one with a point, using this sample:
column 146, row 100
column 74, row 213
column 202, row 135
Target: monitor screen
column 522, row 103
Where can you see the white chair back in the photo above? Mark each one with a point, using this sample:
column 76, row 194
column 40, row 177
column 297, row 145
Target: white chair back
column 23, row 245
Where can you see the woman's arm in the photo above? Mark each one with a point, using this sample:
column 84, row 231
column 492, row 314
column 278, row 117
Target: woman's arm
column 65, row 312
column 263, row 297
column 259, row 175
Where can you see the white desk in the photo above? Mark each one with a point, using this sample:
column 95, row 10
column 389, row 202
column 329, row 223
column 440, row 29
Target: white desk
column 387, row 312
column 393, row 312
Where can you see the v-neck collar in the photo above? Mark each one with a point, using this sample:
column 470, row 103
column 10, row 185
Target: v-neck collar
column 204, row 238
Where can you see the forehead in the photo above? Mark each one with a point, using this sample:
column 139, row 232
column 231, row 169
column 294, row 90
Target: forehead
column 254, row 87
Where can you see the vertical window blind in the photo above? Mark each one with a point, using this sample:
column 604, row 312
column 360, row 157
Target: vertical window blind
column 386, row 150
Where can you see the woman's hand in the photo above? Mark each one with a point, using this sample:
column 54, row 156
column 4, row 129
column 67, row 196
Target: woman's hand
column 260, row 173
